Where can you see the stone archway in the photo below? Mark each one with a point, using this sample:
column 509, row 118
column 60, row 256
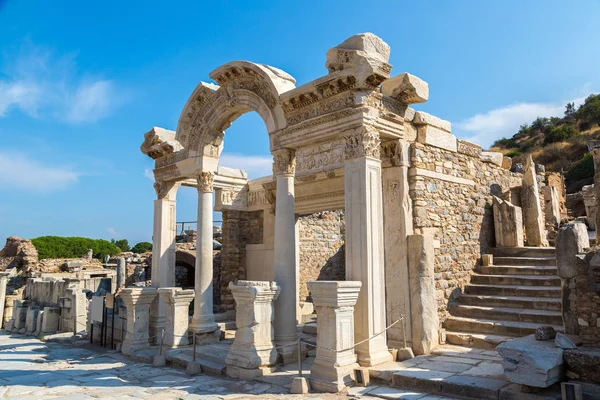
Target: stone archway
column 185, row 264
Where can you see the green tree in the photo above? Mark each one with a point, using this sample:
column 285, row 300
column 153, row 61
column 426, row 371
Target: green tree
column 73, row 247
column 142, row 247
column 560, row 133
column 590, row 109
column 570, row 110
column 123, row 244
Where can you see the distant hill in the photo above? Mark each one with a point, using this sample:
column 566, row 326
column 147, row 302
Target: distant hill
column 559, row 143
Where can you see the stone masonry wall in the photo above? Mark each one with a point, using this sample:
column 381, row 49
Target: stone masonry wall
column 239, row 229
column 322, row 254
column 459, row 215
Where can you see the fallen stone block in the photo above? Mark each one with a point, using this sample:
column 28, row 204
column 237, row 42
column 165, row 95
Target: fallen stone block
column 532, row 362
column 565, row 341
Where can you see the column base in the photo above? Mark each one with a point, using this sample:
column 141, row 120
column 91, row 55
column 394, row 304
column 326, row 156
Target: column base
column 249, row 356
column 129, row 349
column 205, row 325
column 209, row 337
column 289, row 353
column 248, row 374
column 372, row 359
column 331, row 378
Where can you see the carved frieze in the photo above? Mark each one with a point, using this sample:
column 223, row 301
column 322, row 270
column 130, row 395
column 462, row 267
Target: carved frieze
column 362, row 142
column 165, row 173
column 257, row 198
column 172, row 158
column 164, row 189
column 284, row 162
column 322, row 107
column 322, row 90
column 395, row 153
column 321, row 156
column 205, row 182
column 234, row 197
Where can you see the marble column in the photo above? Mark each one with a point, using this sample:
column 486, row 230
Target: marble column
column 253, row 350
column 121, row 272
column 3, row 282
column 178, row 309
column 137, row 302
column 594, row 147
column 364, row 242
column 204, row 318
column 334, row 302
column 397, row 225
column 284, row 266
column 163, row 249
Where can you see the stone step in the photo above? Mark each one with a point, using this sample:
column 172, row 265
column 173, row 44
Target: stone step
column 534, row 303
column 519, row 280
column 518, row 270
column 476, row 340
column 514, row 290
column 542, row 317
column 209, row 365
column 491, row 326
column 524, row 252
column 227, row 325
column 527, row 261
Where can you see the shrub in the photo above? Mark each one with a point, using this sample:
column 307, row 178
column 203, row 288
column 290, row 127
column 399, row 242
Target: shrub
column 505, row 143
column 73, row 247
column 584, row 169
column 142, row 247
column 514, row 153
column 560, row 133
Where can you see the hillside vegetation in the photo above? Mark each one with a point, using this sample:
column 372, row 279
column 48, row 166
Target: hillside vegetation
column 73, row 247
column 559, row 143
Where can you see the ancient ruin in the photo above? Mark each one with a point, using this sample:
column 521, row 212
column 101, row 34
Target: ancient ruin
column 379, row 236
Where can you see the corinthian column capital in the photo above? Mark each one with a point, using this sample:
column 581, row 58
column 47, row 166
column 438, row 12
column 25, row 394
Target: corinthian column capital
column 284, row 162
column 205, row 182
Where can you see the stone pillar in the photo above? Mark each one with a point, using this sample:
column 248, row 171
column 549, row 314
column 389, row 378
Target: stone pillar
column 253, row 349
column 594, row 147
column 589, row 200
column 121, row 272
column 204, row 319
column 284, row 264
column 425, row 320
column 20, row 315
column 552, row 205
column 137, row 302
column 532, row 208
column 508, row 224
column 3, row 282
column 334, row 302
column 78, row 309
column 364, row 242
column 163, row 249
column 397, row 224
column 572, row 242
column 178, row 309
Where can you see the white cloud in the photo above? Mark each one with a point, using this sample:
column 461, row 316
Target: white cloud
column 149, row 174
column 22, row 172
column 485, row 128
column 112, row 232
column 37, row 82
column 256, row 166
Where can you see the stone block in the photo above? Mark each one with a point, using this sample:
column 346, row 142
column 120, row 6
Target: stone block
column 300, row 386
column 532, row 208
column 584, row 361
column 532, row 362
column 492, row 157
column 433, row 136
column 487, row 260
column 177, row 302
column 572, row 240
column 31, row 320
column 545, row 333
column 506, row 163
column 406, row 88
column 564, row 341
column 508, row 224
column 50, row 320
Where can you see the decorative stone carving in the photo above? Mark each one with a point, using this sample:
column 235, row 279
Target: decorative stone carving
column 407, row 88
column 335, row 361
column 159, row 142
column 320, row 157
column 205, row 182
column 284, row 162
column 395, row 153
column 508, row 224
column 253, row 349
column 164, row 189
column 362, row 142
column 468, row 148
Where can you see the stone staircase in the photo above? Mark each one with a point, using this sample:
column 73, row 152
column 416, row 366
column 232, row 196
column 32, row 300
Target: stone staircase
column 520, row 292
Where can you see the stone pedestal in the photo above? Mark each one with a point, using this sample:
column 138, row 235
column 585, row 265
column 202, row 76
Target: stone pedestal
column 397, row 224
column 20, row 315
column 137, row 302
column 285, row 266
column 508, row 224
column 50, row 320
column 253, row 349
column 3, row 281
column 364, row 242
column 334, row 302
column 204, row 319
column 31, row 320
column 178, row 309
column 532, row 208
column 425, row 320
column 78, row 310
column 163, row 249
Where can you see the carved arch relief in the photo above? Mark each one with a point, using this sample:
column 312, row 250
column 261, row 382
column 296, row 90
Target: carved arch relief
column 242, row 87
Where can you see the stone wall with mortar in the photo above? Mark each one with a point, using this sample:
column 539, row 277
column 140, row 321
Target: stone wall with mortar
column 239, row 229
column 322, row 255
column 452, row 199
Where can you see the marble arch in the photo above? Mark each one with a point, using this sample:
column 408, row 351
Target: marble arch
column 338, row 142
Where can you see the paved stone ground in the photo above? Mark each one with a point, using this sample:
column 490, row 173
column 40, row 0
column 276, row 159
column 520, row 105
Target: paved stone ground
column 31, row 369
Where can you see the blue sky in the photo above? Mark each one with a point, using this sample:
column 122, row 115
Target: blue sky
column 80, row 82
